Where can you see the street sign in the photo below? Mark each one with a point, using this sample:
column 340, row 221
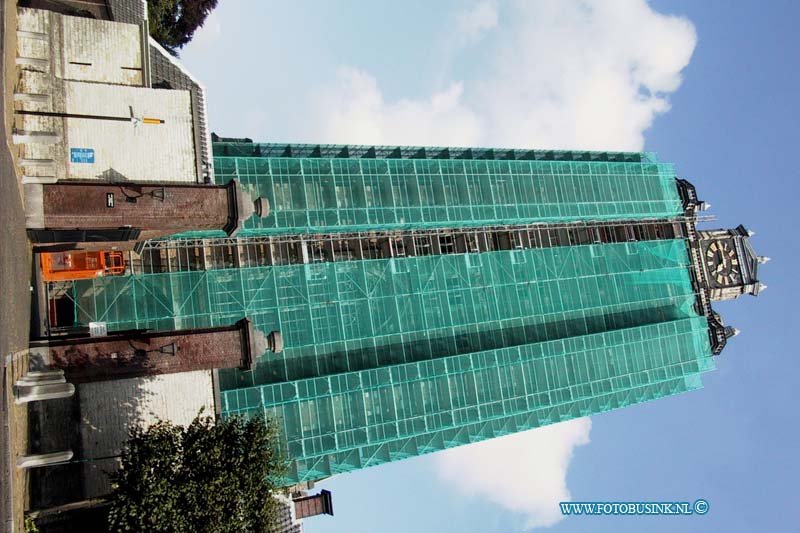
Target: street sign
column 98, row 329
column 81, row 155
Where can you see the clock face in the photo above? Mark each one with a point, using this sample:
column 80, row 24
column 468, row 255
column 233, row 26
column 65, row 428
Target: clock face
column 722, row 263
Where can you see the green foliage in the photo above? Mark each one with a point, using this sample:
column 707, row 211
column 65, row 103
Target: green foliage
column 173, row 22
column 208, row 477
column 30, row 525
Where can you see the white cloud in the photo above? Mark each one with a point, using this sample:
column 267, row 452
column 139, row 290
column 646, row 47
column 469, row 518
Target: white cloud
column 354, row 111
column 562, row 74
column 583, row 74
column 559, row 74
column 524, row 472
column 472, row 23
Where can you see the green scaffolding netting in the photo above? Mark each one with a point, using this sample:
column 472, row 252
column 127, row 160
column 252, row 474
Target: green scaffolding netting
column 321, row 191
column 520, row 338
column 339, row 423
column 390, row 358
column 242, row 148
column 521, row 293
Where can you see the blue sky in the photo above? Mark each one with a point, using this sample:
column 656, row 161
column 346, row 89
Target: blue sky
column 711, row 86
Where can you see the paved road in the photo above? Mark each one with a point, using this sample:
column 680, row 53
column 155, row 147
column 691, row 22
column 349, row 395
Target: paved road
column 15, row 264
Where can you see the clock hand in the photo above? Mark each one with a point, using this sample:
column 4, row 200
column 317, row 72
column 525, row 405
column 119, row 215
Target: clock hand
column 723, row 261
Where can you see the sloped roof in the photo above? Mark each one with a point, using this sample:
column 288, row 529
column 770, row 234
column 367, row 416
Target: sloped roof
column 167, row 72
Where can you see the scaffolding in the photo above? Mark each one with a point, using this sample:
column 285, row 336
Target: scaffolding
column 247, row 148
column 321, row 304
column 181, row 254
column 431, row 297
column 353, row 420
column 353, row 320
column 340, row 188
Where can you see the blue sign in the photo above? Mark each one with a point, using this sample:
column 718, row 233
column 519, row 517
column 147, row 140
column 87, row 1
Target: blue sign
column 81, row 155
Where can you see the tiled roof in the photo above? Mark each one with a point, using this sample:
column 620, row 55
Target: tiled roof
column 168, row 73
column 129, row 11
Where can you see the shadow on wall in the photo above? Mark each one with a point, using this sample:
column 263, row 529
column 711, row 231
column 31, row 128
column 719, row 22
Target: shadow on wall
column 94, row 425
column 108, row 409
column 112, row 176
column 73, row 8
column 310, row 362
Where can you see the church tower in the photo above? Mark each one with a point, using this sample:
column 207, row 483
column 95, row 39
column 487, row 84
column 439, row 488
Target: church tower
column 429, row 297
column 725, row 266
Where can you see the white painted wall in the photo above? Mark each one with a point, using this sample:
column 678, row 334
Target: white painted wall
column 79, row 66
column 112, row 50
column 147, row 152
column 109, row 408
column 84, row 49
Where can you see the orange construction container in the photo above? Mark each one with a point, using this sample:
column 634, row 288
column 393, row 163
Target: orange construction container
column 62, row 266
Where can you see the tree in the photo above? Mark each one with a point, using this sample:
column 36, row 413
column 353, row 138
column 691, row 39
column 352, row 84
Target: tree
column 208, row 477
column 173, row 22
